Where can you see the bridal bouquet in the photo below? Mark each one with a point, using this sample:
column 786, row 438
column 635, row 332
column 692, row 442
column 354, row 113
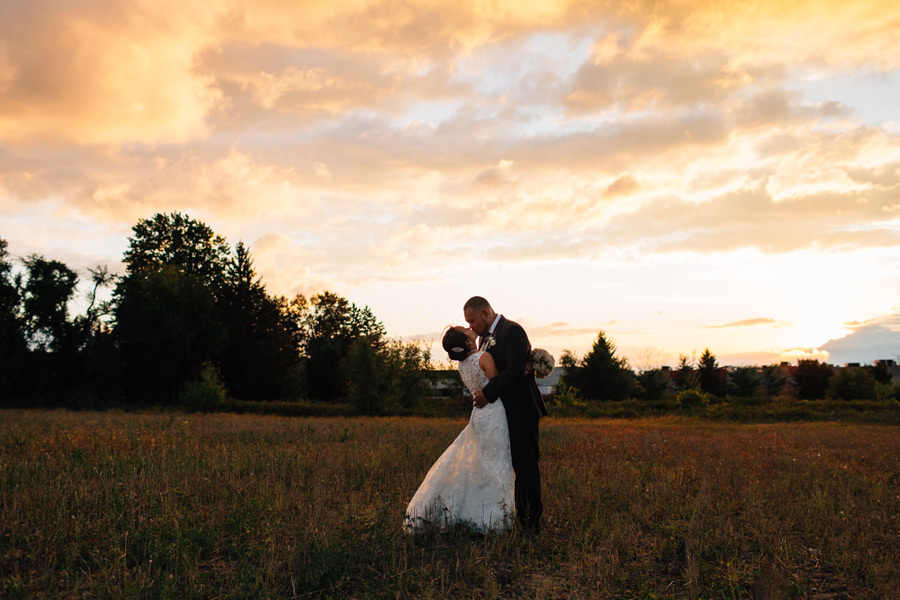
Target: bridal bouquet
column 540, row 362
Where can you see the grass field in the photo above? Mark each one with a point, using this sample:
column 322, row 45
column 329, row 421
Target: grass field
column 117, row 505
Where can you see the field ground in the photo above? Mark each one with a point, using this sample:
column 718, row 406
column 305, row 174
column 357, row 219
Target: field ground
column 165, row 505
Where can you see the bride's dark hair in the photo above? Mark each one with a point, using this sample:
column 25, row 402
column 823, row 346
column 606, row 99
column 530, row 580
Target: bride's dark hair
column 454, row 343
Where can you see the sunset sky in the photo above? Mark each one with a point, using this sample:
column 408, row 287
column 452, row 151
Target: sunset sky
column 679, row 174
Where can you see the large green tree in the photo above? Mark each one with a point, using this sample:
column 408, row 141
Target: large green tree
column 600, row 374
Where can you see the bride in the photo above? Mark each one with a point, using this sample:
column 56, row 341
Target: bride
column 472, row 482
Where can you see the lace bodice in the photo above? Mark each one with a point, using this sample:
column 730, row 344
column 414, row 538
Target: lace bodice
column 472, row 375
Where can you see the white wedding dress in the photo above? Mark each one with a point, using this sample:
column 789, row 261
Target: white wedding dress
column 472, row 482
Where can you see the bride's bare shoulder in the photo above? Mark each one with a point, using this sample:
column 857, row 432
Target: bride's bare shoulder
column 487, row 364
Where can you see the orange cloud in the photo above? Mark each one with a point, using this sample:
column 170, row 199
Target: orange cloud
column 86, row 75
column 750, row 323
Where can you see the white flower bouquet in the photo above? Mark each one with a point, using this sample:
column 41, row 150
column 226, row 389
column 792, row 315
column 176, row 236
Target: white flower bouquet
column 540, row 362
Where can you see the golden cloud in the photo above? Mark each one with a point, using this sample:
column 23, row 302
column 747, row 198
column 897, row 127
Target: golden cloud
column 673, row 129
column 88, row 76
column 751, row 323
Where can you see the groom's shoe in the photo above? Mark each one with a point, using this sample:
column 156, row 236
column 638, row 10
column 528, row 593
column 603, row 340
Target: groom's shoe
column 530, row 528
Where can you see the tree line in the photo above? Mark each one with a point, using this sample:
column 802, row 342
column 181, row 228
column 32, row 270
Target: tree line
column 190, row 322
column 602, row 375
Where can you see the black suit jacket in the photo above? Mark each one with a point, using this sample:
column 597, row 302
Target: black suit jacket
column 519, row 391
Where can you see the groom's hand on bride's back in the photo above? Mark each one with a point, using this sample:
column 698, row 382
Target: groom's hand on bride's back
column 478, row 399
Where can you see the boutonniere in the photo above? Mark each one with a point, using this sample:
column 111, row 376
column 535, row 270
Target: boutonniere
column 489, row 342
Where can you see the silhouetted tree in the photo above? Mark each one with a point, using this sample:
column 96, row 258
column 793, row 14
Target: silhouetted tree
column 685, row 375
column 178, row 241
column 745, row 382
column 852, row 384
column 567, row 361
column 167, row 325
column 601, row 375
column 709, row 375
column 775, row 379
column 406, row 366
column 12, row 334
column 48, row 287
column 99, row 367
column 50, row 367
column 168, row 313
column 812, row 379
column 366, row 384
column 260, row 358
column 331, row 325
column 879, row 372
column 652, row 384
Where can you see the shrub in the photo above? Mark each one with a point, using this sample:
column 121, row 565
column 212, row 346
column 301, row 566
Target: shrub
column 692, row 398
column 208, row 392
column 887, row 392
column 566, row 395
column 852, row 384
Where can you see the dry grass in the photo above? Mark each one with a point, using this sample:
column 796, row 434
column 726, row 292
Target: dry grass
column 173, row 505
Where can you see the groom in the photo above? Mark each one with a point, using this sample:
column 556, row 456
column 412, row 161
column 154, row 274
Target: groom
column 508, row 345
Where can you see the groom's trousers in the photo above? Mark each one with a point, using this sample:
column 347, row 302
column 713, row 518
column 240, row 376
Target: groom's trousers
column 523, row 444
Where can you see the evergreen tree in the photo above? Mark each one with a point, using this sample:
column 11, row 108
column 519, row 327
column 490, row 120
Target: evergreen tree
column 686, row 376
column 709, row 375
column 260, row 358
column 601, row 375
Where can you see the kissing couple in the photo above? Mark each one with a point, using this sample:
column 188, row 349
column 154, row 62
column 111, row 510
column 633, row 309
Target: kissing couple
column 493, row 463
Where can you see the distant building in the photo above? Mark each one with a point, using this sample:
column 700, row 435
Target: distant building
column 891, row 366
column 547, row 385
column 444, row 383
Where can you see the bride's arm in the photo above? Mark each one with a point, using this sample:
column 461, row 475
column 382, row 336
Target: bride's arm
column 487, row 364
